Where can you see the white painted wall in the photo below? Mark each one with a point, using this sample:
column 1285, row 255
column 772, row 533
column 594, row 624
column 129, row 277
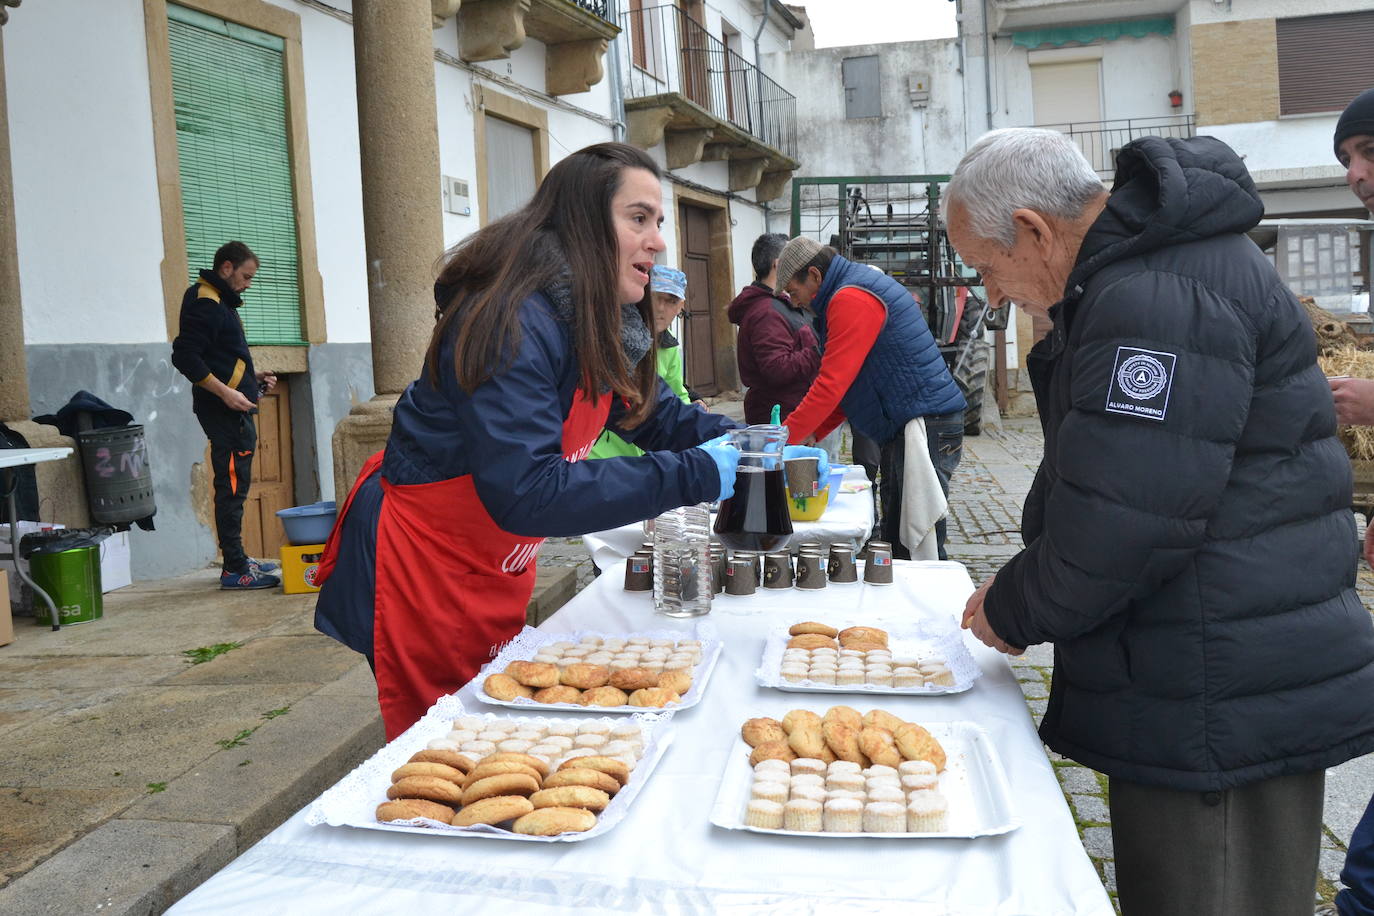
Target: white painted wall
column 85, row 188
column 1290, row 143
column 1204, row 11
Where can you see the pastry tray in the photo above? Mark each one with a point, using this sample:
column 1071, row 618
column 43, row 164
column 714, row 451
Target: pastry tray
column 920, row 638
column 353, row 800
column 973, row 783
column 527, row 642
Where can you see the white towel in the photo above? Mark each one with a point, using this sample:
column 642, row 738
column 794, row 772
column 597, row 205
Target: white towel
column 923, row 502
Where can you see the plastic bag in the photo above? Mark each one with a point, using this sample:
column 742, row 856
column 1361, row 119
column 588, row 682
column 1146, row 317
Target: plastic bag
column 62, row 539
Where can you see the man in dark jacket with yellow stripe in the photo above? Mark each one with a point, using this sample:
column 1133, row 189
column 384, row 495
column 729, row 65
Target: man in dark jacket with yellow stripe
column 1190, row 549
column 211, row 350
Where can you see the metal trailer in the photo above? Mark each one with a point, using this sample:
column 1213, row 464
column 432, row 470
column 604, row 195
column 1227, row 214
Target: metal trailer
column 893, row 223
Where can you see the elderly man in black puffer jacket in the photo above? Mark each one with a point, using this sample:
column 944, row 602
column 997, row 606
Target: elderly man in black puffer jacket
column 1190, row 549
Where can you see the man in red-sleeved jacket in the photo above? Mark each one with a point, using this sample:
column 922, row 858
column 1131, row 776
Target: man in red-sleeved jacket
column 778, row 356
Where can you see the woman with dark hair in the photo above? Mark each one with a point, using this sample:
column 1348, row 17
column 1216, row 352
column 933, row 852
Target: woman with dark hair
column 542, row 341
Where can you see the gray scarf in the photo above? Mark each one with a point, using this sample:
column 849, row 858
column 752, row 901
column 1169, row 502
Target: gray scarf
column 634, row 333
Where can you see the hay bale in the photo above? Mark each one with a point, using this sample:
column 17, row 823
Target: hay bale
column 1332, row 333
column 1347, row 360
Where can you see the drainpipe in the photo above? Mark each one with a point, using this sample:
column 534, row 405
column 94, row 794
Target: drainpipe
column 617, row 87
column 987, row 63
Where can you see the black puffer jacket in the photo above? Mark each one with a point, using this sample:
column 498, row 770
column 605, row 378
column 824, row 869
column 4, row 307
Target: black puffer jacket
column 1190, row 548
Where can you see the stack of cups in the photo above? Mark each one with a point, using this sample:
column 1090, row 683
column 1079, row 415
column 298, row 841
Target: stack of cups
column 878, row 566
column 810, row 568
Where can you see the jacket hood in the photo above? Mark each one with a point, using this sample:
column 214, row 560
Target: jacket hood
column 748, row 297
column 1169, row 191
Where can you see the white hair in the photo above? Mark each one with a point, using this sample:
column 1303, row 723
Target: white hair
column 1020, row 168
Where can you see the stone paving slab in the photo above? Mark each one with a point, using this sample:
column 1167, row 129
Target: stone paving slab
column 80, row 672
column 313, row 659
column 37, row 822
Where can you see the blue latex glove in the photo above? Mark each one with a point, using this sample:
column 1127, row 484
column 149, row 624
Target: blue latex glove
column 726, row 457
column 806, row 451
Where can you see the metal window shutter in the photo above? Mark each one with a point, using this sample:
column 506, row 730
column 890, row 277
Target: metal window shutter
column 861, row 82
column 235, row 162
column 1324, row 61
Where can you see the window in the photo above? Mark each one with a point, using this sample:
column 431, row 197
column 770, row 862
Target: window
column 646, row 37
column 511, row 177
column 861, row 96
column 1324, row 61
column 234, row 158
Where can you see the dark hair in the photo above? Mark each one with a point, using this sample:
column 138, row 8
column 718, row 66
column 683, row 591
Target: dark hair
column 566, row 229
column 235, row 253
column 821, row 261
column 766, row 249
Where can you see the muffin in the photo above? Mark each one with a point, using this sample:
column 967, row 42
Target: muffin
column 562, row 742
column 768, row 790
column 939, row 676
column 906, row 677
column 926, row 812
column 842, row 766
column 914, row 768
column 850, row 782
column 766, row 814
column 593, row 728
column 773, row 766
column 803, row 815
column 849, row 678
column 591, row 739
column 919, row 782
column 562, row 728
column 832, row 794
column 822, row 675
column 879, row 677
column 815, row 793
column 884, row 817
column 808, row 779
column 794, row 674
column 811, row 765
column 886, row 793
column 843, row 815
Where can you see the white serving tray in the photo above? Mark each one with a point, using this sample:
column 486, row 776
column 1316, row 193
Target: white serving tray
column 973, row 782
column 353, row 800
column 528, row 641
column 920, row 638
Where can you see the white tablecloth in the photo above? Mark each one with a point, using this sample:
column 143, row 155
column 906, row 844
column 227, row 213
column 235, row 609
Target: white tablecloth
column 848, row 519
column 667, row 857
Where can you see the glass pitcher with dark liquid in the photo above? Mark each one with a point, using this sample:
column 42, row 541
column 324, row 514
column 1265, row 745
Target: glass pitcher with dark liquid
column 756, row 517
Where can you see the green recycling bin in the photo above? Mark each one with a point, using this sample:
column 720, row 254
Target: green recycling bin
column 72, row 579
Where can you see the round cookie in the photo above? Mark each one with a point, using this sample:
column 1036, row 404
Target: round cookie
column 630, row 679
column 461, row 762
column 811, row 626
column 871, row 634
column 431, row 788
column 584, row 676
column 534, row 674
column 494, row 810
column 772, row 750
column 582, row 776
column 571, row 797
column 526, row 759
column 678, row 680
column 500, row 768
column 505, row 687
column 811, row 641
column 553, row 821
column 612, row 767
column 604, row 696
column 403, row 809
column 503, row 784
column 654, row 697
column 559, row 693
column 452, row 774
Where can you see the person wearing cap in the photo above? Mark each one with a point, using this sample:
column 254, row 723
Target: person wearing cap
column 1354, row 397
column 668, row 293
column 880, row 369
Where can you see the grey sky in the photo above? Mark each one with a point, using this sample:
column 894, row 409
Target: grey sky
column 856, row 22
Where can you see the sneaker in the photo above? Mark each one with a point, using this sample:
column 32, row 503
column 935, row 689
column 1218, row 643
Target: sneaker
column 249, row 578
column 263, row 565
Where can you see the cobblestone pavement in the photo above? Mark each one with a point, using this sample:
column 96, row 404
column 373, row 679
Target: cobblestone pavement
column 985, row 506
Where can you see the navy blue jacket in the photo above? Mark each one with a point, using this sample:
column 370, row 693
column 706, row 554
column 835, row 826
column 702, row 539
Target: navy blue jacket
column 508, row 435
column 904, row 375
column 1190, row 549
column 210, row 341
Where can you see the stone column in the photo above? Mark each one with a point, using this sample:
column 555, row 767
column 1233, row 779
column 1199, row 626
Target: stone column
column 399, row 142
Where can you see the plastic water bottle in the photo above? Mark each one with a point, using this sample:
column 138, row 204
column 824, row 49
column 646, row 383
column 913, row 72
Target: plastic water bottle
column 682, row 562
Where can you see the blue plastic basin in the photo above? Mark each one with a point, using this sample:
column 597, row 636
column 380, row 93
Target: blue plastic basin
column 308, row 524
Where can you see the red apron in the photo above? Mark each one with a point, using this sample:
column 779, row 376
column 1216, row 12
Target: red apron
column 450, row 585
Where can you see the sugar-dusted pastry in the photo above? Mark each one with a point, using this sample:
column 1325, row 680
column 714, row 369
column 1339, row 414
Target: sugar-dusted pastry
column 878, row 769
column 764, row 813
column 478, row 749
column 590, row 740
column 794, row 673
column 802, row 814
column 494, row 810
column 849, row 678
column 616, row 748
column 548, row 658
column 886, row 793
column 884, row 817
column 654, row 697
column 526, row 759
column 626, row 731
column 920, row 782
column 879, row 677
column 505, row 687
column 849, row 782
column 630, row 679
column 679, row 664
column 843, row 766
column 608, row 765
column 562, row 646
column 553, row 821
column 504, row 784
column 591, row 639
column 777, row 750
column 859, row 796
column 443, row 744
column 453, row 759
column 906, row 677
column 562, row 742
column 815, row 793
column 915, row 768
column 811, row 626
column 773, row 765
column 598, row 658
column 443, row 771
column 915, row 743
column 808, row 765
column 518, row 745
column 462, row 734
column 494, row 735
column 622, row 664
column 613, row 643
column 534, row 674
column 583, row 776
column 843, row 815
column 561, row 728
column 678, row 681
column 545, row 751
column 470, row 723
column 878, row 745
column 578, row 652
column 806, row 779
column 926, row 812
column 584, row 676
column 594, row 728
column 431, row 788
column 604, row 696
column 403, row 809
column 770, row 790
column 811, row 641
column 559, row 693
column 578, row 752
column 571, row 797
column 940, row 676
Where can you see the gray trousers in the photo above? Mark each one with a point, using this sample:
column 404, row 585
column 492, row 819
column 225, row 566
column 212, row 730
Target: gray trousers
column 1249, row 851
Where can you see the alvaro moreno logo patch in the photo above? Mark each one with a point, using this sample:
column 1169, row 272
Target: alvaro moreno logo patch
column 1141, row 380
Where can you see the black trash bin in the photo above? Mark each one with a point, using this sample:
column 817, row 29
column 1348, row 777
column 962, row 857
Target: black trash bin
column 119, row 482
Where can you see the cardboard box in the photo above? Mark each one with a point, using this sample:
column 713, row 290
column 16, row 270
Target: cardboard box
column 6, row 621
column 114, row 562
column 298, row 567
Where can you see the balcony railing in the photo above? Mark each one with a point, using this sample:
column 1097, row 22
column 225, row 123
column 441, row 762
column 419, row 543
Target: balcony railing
column 1100, row 141
column 671, row 52
column 595, row 7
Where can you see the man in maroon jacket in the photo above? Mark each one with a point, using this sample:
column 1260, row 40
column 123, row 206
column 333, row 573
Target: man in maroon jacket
column 778, row 357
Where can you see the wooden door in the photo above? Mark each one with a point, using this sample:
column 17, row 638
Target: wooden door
column 698, row 345
column 273, row 478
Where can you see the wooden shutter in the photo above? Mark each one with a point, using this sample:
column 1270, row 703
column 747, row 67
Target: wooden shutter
column 228, row 83
column 1324, row 61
